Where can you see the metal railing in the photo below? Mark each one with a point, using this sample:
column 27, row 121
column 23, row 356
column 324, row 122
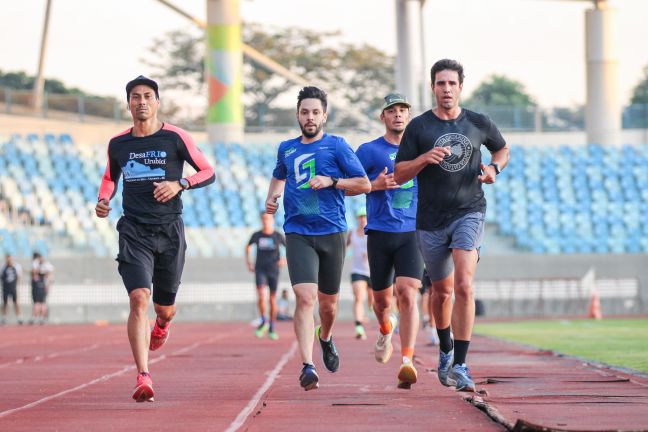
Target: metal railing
column 507, row 118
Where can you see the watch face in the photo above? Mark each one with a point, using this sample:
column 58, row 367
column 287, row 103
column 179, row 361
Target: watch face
column 184, row 183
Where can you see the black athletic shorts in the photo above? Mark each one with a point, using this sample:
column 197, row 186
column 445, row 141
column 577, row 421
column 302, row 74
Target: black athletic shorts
column 152, row 254
column 9, row 290
column 316, row 259
column 426, row 283
column 38, row 292
column 360, row 277
column 267, row 277
column 392, row 255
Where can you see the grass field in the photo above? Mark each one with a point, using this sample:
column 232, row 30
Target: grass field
column 617, row 342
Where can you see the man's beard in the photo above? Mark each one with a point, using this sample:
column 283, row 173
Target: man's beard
column 318, row 129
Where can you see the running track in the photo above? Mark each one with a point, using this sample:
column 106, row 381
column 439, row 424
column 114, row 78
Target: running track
column 219, row 377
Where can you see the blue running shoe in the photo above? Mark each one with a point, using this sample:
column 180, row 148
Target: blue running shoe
column 445, row 364
column 309, row 379
column 461, row 376
column 329, row 352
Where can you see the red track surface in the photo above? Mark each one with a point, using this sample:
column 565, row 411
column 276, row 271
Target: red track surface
column 219, row 377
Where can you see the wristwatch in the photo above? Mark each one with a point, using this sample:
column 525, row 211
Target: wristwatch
column 335, row 182
column 184, row 183
column 496, row 166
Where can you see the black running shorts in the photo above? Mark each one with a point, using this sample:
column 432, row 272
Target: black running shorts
column 38, row 291
column 316, row 259
column 355, row 277
column 9, row 291
column 269, row 278
column 152, row 254
column 392, row 254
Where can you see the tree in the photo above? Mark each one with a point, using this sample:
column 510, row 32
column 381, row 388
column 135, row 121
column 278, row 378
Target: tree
column 361, row 75
column 499, row 90
column 22, row 81
column 640, row 92
column 565, row 118
column 180, row 60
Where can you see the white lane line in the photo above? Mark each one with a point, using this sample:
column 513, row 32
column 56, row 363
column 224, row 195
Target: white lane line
column 54, row 355
column 64, row 392
column 107, row 377
column 25, row 340
column 243, row 415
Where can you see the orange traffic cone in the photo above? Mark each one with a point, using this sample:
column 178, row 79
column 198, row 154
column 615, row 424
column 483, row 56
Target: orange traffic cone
column 595, row 306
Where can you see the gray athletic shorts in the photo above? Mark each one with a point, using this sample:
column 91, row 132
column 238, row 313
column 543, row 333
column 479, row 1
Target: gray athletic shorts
column 436, row 246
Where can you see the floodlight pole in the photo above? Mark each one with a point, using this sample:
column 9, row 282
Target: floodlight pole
column 39, row 83
column 426, row 91
column 409, row 70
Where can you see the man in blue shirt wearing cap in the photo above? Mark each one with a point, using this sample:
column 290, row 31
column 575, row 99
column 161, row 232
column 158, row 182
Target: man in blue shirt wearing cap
column 391, row 239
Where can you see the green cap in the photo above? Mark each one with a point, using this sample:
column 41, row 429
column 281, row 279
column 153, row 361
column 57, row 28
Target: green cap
column 362, row 211
column 394, row 99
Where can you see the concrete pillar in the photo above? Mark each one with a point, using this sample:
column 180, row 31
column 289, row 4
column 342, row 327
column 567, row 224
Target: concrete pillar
column 603, row 109
column 409, row 69
column 426, row 80
column 224, row 70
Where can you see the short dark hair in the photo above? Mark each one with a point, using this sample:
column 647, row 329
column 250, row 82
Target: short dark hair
column 447, row 64
column 311, row 92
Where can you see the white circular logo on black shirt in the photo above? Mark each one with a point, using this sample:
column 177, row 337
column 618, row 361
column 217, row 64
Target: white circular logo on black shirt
column 461, row 149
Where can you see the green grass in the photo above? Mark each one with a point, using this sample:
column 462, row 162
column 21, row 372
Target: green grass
column 617, row 342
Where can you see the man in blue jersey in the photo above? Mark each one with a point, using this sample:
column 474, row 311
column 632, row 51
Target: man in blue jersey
column 391, row 239
column 442, row 149
column 150, row 157
column 314, row 170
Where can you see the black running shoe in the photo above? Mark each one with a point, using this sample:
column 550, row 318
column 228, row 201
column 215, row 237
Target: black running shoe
column 329, row 352
column 309, row 379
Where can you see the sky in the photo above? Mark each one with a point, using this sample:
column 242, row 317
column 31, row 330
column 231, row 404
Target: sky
column 98, row 45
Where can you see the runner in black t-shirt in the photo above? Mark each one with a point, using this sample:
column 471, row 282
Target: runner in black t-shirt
column 266, row 271
column 10, row 276
column 150, row 157
column 442, row 148
column 41, row 281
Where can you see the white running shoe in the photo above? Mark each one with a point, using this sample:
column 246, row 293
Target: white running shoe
column 383, row 349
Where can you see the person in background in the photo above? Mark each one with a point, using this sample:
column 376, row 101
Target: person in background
column 10, row 276
column 41, row 282
column 266, row 272
column 360, row 281
column 427, row 318
column 283, row 307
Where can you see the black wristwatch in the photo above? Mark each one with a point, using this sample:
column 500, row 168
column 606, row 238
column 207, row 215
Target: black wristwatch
column 335, row 182
column 184, row 183
column 496, row 166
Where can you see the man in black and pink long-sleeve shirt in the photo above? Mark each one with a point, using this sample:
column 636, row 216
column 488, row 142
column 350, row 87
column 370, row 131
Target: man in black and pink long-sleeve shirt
column 150, row 157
